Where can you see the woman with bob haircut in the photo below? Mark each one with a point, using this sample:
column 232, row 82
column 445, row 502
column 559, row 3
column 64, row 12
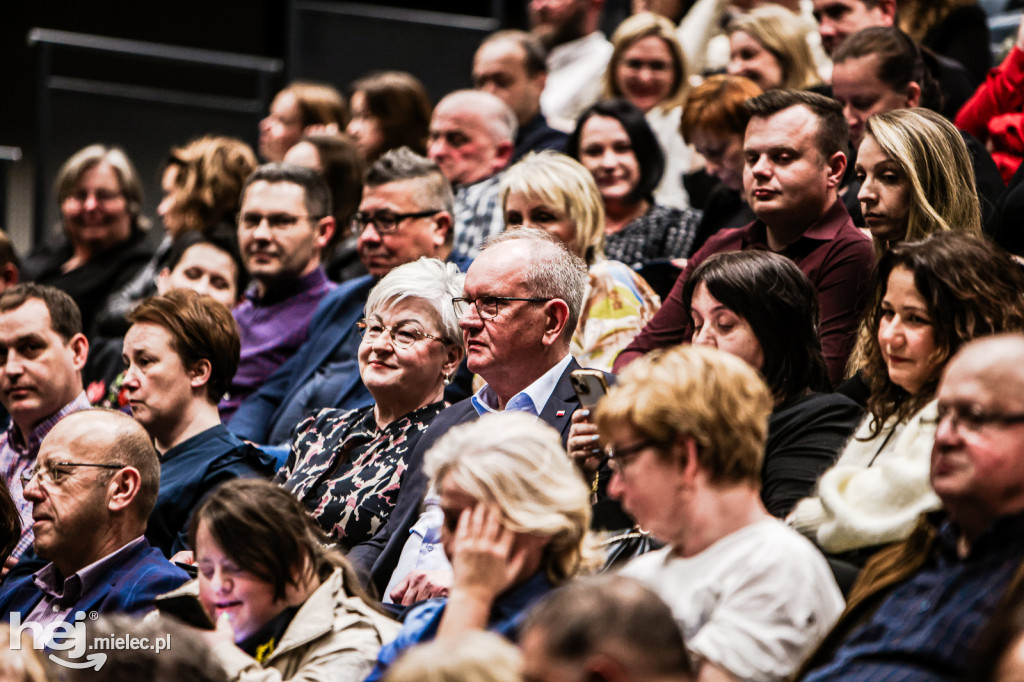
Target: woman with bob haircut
column 648, row 68
column 685, row 432
column 299, row 109
column 551, row 192
column 516, row 519
column 390, row 109
column 760, row 307
column 347, row 467
column 714, row 121
column 181, row 352
column 915, row 178
column 100, row 199
column 930, row 298
column 616, row 145
column 769, row 46
column 284, row 604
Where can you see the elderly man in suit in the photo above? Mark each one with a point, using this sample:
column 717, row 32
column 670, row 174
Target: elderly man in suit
column 92, row 489
column 520, row 304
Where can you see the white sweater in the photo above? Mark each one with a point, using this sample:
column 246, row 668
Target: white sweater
column 876, row 490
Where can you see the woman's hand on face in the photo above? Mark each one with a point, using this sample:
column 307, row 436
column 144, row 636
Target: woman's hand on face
column 487, row 561
column 583, row 442
column 185, row 556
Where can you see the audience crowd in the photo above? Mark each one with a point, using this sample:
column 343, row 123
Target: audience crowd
column 690, row 353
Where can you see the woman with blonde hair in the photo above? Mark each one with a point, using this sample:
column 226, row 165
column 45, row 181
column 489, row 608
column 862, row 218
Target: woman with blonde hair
column 648, row 68
column 516, row 520
column 769, row 46
column 556, row 194
column 915, row 177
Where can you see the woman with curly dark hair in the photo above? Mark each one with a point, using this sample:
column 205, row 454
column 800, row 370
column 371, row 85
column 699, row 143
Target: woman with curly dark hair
column 931, row 297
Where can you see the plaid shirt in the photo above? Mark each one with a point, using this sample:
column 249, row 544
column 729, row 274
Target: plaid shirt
column 477, row 215
column 17, row 456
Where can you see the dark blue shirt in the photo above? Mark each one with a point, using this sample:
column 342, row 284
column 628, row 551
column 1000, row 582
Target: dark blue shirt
column 536, row 135
column 927, row 627
column 189, row 472
column 421, row 624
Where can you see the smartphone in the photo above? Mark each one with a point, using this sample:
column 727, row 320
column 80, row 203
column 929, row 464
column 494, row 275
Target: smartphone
column 589, row 385
column 187, row 608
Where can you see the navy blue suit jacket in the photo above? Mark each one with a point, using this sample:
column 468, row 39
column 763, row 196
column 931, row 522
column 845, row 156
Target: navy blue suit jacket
column 130, row 586
column 379, row 555
column 333, row 324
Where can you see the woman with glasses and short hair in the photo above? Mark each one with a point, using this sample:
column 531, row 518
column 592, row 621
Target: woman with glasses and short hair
column 100, row 199
column 347, row 466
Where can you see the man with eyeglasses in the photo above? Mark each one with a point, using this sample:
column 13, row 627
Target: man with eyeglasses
column 42, row 353
column 405, row 214
column 918, row 607
column 472, row 135
column 284, row 223
column 520, row 305
column 92, row 490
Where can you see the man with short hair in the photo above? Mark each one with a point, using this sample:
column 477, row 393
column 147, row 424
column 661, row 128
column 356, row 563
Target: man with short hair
column 43, row 351
column 285, row 221
column 511, row 66
column 840, row 18
column 472, row 136
column 606, row 627
column 521, row 302
column 795, row 158
column 918, row 607
column 405, row 214
column 578, row 55
column 92, row 490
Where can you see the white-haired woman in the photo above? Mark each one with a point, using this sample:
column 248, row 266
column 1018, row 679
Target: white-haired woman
column 516, row 519
column 347, row 466
column 555, row 193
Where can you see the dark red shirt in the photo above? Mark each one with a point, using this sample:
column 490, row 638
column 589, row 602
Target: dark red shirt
column 836, row 256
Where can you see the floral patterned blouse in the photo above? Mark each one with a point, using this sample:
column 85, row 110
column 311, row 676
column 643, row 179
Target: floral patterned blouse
column 347, row 471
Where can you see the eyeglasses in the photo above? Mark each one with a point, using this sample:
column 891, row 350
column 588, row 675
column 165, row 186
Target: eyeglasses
column 384, row 222
column 102, row 196
column 975, row 419
column 55, row 474
column 275, row 221
column 487, row 306
column 402, row 337
column 619, row 458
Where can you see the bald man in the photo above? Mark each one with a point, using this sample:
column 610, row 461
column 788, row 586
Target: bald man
column 92, row 488
column 918, row 607
column 472, row 139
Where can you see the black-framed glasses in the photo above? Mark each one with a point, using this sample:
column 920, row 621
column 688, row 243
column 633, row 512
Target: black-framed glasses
column 487, row 307
column 402, row 337
column 385, row 222
column 975, row 419
column 619, row 458
column 275, row 221
column 54, row 473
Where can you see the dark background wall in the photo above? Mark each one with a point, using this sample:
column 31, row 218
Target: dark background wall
column 262, row 28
